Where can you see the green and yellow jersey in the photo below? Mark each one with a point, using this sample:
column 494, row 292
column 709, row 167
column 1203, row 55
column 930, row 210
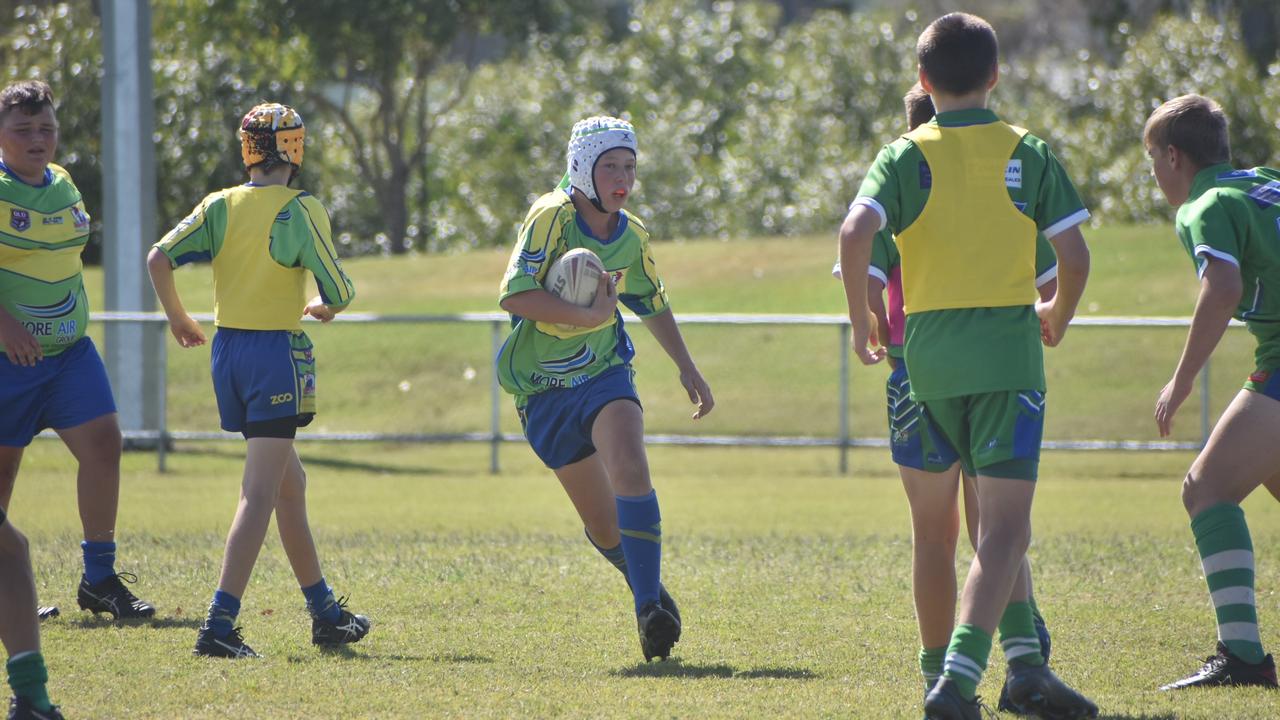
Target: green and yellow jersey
column 262, row 241
column 886, row 266
column 1234, row 216
column 539, row 356
column 968, row 247
column 40, row 268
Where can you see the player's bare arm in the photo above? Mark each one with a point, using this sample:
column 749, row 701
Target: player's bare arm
column 856, row 235
column 540, row 305
column 875, row 301
column 1220, row 291
column 318, row 309
column 1073, row 272
column 19, row 344
column 184, row 328
column 664, row 329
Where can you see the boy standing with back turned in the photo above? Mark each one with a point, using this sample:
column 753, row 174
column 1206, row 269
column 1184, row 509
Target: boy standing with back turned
column 263, row 239
column 964, row 196
column 1229, row 223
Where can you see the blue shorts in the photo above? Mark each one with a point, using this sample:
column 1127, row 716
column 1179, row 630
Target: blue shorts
column 558, row 422
column 913, row 441
column 60, row 392
column 261, row 375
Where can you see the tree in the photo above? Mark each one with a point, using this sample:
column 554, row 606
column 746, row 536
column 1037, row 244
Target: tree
column 374, row 66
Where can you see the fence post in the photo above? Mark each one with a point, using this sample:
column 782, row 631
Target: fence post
column 495, row 390
column 162, row 399
column 844, row 398
column 1204, row 405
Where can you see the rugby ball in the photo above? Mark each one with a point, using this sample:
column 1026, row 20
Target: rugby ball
column 574, row 277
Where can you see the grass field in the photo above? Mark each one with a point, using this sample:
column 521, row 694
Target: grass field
column 768, row 380
column 488, row 603
column 793, row 579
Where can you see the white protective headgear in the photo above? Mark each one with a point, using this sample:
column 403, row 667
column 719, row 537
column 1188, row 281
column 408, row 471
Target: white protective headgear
column 590, row 139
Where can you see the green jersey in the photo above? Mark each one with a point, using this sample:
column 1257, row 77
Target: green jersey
column 953, row 352
column 539, row 356
column 1234, row 216
column 40, row 269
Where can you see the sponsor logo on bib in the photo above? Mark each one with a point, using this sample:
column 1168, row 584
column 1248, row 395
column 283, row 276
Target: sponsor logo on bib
column 1013, row 174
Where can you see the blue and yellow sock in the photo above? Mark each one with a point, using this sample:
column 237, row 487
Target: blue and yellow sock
column 1226, row 554
column 640, row 523
column 27, row 677
column 320, row 601
column 614, row 555
column 967, row 658
column 222, row 613
column 931, row 662
column 1018, row 634
column 99, row 560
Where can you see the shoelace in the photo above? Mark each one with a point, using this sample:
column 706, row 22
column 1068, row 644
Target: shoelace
column 119, row 586
column 986, row 710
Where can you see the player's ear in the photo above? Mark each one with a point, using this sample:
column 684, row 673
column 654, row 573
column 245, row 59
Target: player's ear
column 924, row 80
column 995, row 77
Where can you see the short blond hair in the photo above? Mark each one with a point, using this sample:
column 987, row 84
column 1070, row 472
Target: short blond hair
column 1195, row 125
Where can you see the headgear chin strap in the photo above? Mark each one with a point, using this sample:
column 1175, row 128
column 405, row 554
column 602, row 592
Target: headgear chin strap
column 590, row 139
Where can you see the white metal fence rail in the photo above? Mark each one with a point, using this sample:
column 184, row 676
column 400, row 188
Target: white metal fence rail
column 498, row 322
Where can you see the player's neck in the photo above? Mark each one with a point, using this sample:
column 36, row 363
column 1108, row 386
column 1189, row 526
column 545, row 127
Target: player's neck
column 279, row 175
column 602, row 224
column 951, row 103
column 30, row 176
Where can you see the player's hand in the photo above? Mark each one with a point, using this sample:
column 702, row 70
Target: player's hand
column 1170, row 399
column 605, row 302
column 866, row 342
column 186, row 331
column 1052, row 326
column 19, row 344
column 699, row 391
column 318, row 310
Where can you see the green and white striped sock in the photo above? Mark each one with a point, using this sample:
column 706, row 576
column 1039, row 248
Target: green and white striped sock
column 931, row 660
column 1226, row 554
column 1018, row 635
column 967, row 658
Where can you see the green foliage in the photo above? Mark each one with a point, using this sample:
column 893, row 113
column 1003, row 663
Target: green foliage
column 747, row 128
column 434, row 125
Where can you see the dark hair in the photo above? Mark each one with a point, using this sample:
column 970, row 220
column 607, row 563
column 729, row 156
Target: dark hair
column 29, row 96
column 958, row 52
column 919, row 107
column 1195, row 125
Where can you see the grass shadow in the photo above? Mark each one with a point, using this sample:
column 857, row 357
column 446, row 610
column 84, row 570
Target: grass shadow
column 175, row 622
column 1165, row 716
column 461, row 659
column 696, row 671
column 347, row 652
column 106, row 621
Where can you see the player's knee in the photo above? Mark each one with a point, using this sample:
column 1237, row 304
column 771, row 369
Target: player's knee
column 1197, row 494
column 294, row 486
column 14, row 543
column 941, row 536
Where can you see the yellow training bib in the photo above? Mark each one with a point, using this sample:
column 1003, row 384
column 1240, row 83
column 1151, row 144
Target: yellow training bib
column 970, row 247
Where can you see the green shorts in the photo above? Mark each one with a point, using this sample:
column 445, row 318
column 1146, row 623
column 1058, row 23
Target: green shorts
column 996, row 434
